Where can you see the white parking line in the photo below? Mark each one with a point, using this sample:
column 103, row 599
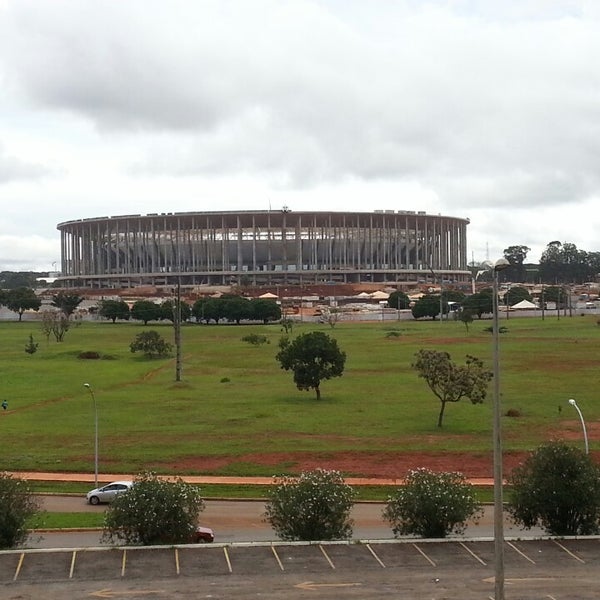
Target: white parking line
column 327, row 557
column 227, row 559
column 123, row 563
column 569, row 552
column 521, row 553
column 429, row 560
column 177, row 560
column 375, row 556
column 473, row 554
column 72, row 564
column 277, row 558
column 19, row 565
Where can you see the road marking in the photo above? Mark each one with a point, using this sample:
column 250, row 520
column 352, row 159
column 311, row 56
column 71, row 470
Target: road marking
column 277, row 558
column 473, row 554
column 521, row 553
column 177, row 561
column 518, row 579
column 72, row 564
column 375, row 556
column 311, row 586
column 431, row 562
column 227, row 559
column 569, row 552
column 123, row 563
column 108, row 593
column 19, row 565
column 327, row 557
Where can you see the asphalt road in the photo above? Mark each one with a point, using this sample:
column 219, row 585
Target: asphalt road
column 242, row 521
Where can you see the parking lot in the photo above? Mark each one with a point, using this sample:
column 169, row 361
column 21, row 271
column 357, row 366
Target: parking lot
column 543, row 568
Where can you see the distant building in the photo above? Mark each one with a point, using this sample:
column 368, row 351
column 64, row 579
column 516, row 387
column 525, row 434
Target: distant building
column 262, row 247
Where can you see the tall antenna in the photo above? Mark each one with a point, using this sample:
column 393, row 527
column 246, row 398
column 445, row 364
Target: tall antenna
column 487, row 251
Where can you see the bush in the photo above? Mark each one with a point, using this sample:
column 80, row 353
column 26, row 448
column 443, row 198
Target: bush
column 31, row 346
column 315, row 506
column 557, row 488
column 154, row 511
column 432, row 505
column 18, row 505
column 89, row 355
column 255, row 339
column 151, row 344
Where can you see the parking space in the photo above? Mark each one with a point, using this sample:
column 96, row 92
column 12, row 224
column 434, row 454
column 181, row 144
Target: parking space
column 141, row 561
column 202, row 561
column 303, row 558
column 255, row 559
column 544, row 552
column 401, row 555
column 354, row 557
column 587, row 549
column 42, row 566
column 96, row 564
column 9, row 562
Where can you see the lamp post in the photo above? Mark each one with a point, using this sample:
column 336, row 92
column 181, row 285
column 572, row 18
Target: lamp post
column 585, row 437
column 91, row 391
column 499, row 265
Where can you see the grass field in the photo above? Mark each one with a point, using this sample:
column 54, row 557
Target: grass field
column 235, row 403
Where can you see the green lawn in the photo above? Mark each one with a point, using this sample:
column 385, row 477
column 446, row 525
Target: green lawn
column 235, row 401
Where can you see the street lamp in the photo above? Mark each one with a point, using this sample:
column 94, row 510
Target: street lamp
column 585, row 437
column 91, row 391
column 498, row 266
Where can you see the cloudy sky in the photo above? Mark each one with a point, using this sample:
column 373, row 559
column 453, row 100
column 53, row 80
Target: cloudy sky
column 484, row 109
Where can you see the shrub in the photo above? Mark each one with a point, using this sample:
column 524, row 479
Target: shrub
column 255, row 339
column 315, row 506
column 557, row 488
column 513, row 412
column 18, row 505
column 154, row 511
column 392, row 333
column 89, row 355
column 152, row 344
column 31, row 346
column 432, row 505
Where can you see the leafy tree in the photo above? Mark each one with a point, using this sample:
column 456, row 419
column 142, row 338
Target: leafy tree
column 237, row 308
column 67, row 303
column 516, row 294
column 266, row 310
column 57, row 323
column 432, row 505
column 557, row 488
column 480, row 303
column 145, row 311
column 18, row 506
column 465, row 316
column 154, row 511
column 398, row 300
column 428, row 306
column 555, row 293
column 152, row 344
column 451, row 382
column 168, row 308
column 20, row 299
column 516, row 256
column 214, row 310
column 312, row 357
column 314, row 506
column 287, row 324
column 114, row 309
column 198, row 309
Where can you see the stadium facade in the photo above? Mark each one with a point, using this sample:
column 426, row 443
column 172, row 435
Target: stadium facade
column 262, row 248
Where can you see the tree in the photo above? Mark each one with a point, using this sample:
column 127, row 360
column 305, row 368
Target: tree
column 480, row 303
column 432, row 505
column 465, row 316
column 312, row 357
column 516, row 256
column 314, row 506
column 557, row 294
column 265, row 310
column 451, row 382
column 67, row 303
column 237, row 308
column 168, row 308
column 428, row 306
column 398, row 300
column 515, row 294
column 145, row 311
column 151, row 344
column 21, row 299
column 56, row 323
column 114, row 309
column 154, row 511
column 18, row 506
column 558, row 488
column 31, row 346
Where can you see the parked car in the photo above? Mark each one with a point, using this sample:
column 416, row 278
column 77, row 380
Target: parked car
column 203, row 535
column 108, row 492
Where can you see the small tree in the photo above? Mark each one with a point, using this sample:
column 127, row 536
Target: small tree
column 154, row 511
column 31, row 346
column 18, row 505
column 152, row 344
column 312, row 357
column 429, row 306
column 398, row 300
column 57, row 323
column 21, row 299
column 465, row 316
column 145, row 311
column 432, row 505
column 451, row 382
column 66, row 303
column 557, row 488
column 114, row 309
column 315, row 506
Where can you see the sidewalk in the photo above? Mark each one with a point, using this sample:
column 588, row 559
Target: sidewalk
column 207, row 479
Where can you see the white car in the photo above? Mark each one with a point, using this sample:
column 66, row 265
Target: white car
column 108, row 492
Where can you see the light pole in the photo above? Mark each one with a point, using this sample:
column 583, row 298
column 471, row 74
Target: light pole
column 585, row 437
column 91, row 391
column 499, row 265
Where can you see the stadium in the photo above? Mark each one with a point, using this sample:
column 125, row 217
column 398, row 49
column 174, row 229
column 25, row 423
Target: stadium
column 263, row 248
